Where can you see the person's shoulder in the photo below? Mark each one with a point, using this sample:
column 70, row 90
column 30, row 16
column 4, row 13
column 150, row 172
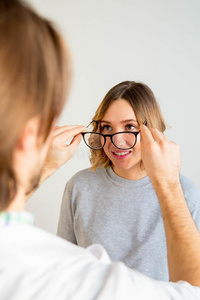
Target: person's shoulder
column 187, row 183
column 191, row 191
column 86, row 176
column 27, row 238
column 86, row 173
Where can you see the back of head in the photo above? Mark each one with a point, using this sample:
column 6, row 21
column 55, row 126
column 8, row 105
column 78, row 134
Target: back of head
column 34, row 79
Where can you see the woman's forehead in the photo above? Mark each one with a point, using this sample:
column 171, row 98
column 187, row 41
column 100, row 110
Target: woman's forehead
column 119, row 110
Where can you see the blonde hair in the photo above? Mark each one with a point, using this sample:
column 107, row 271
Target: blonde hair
column 34, row 80
column 145, row 107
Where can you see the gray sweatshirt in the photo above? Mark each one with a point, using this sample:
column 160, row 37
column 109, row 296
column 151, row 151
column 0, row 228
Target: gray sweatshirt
column 122, row 215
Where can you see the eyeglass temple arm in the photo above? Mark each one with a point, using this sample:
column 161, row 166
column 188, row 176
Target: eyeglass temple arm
column 144, row 123
column 92, row 122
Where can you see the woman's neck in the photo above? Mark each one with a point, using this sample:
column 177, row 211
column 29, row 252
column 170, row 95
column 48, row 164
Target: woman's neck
column 130, row 174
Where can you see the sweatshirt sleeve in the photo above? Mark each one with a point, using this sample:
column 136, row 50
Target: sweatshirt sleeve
column 66, row 220
column 192, row 196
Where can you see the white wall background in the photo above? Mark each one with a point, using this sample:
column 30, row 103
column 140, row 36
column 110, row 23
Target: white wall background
column 153, row 41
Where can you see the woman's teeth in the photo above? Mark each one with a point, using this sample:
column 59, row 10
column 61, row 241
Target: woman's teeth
column 121, row 153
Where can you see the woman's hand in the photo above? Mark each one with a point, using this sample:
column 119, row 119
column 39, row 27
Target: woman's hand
column 59, row 152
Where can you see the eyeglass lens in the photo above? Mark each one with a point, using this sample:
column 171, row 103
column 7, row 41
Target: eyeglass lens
column 122, row 141
column 94, row 140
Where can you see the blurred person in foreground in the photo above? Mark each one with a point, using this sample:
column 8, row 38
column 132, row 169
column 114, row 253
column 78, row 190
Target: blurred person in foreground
column 34, row 82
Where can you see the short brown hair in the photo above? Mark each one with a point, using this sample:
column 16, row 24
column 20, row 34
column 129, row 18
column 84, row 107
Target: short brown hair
column 145, row 107
column 34, row 79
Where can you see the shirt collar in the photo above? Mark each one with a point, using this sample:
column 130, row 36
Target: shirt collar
column 18, row 217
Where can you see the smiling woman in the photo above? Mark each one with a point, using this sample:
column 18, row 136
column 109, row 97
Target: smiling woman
column 120, row 117
column 114, row 203
column 136, row 104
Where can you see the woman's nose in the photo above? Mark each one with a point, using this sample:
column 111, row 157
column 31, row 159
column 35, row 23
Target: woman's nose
column 119, row 141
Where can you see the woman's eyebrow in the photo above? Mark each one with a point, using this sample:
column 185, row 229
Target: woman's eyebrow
column 129, row 120
column 124, row 121
column 104, row 121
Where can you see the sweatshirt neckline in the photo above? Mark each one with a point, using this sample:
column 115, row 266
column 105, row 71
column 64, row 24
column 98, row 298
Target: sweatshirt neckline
column 123, row 181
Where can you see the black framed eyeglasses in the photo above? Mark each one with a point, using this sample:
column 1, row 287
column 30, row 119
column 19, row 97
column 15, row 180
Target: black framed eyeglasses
column 124, row 140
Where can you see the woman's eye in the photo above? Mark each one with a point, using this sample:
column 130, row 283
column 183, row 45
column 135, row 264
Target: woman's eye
column 130, row 127
column 106, row 128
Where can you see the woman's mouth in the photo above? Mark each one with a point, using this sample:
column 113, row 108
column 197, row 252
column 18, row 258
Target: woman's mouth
column 121, row 154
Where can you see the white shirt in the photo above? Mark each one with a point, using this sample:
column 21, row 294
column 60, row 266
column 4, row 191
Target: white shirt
column 37, row 265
